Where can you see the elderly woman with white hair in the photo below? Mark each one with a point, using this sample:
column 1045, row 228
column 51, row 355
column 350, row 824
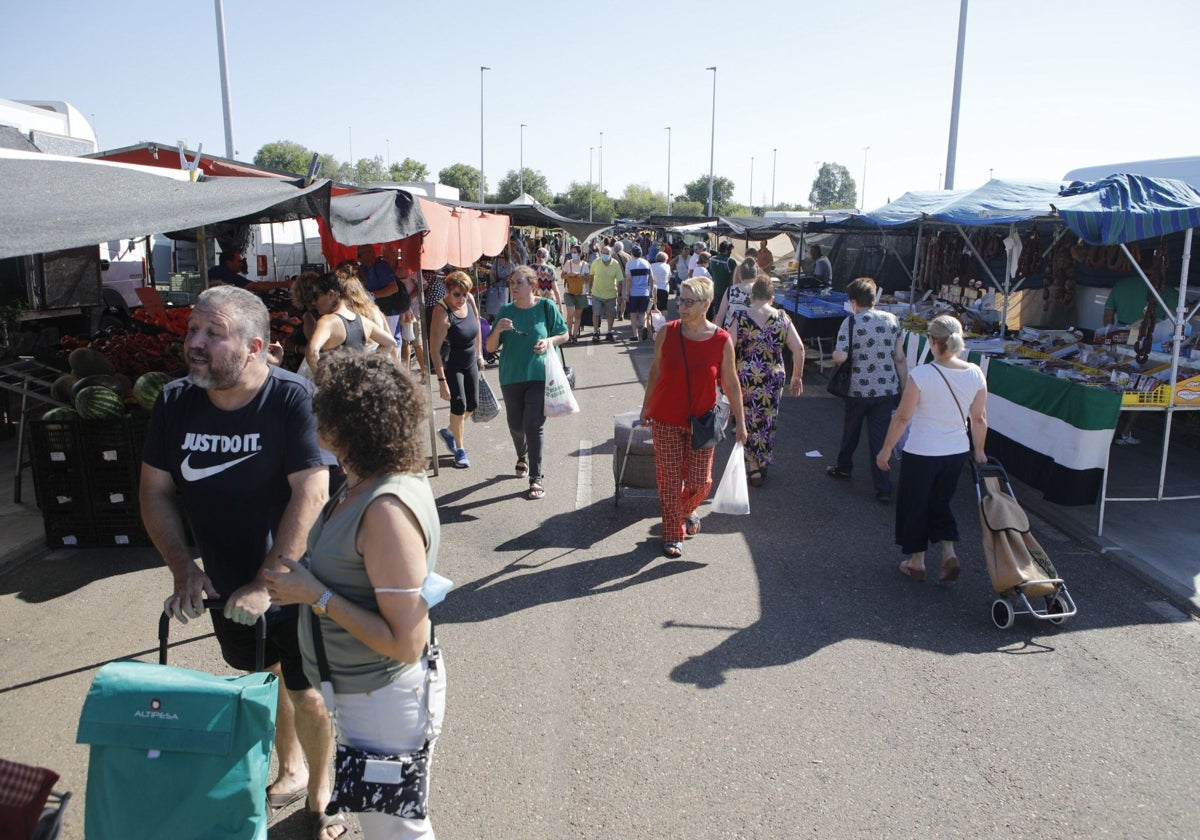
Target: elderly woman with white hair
column 938, row 400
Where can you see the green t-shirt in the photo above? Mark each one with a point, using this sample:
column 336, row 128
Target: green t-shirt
column 1128, row 300
column 518, row 362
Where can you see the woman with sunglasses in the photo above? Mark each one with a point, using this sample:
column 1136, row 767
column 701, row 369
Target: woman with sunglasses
column 526, row 329
column 455, row 336
column 691, row 355
column 338, row 325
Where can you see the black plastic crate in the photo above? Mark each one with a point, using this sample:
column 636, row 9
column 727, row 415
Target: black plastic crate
column 74, row 531
column 108, row 448
column 119, row 528
column 62, row 492
column 55, row 444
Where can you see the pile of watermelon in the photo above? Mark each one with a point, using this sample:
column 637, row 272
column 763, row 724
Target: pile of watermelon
column 97, row 392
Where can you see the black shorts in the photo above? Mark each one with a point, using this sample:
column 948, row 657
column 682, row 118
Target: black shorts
column 638, row 303
column 282, row 648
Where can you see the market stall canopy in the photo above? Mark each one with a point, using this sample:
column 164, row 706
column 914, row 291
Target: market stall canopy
column 50, row 203
column 995, row 203
column 460, row 235
column 1128, row 208
column 1178, row 169
column 528, row 211
column 367, row 218
column 911, row 207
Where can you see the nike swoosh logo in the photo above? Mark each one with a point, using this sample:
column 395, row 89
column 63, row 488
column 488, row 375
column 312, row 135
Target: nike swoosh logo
column 191, row 473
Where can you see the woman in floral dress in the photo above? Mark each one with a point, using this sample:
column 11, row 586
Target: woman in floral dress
column 760, row 332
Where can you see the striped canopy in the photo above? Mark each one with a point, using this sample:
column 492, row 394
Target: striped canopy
column 1128, row 208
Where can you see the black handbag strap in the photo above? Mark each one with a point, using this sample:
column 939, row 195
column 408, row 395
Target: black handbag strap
column 850, row 341
column 323, row 660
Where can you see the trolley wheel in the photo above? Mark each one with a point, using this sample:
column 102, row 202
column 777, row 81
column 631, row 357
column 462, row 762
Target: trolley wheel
column 1056, row 604
column 1002, row 614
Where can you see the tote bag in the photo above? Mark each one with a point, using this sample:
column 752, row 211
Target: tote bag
column 559, row 401
column 486, row 406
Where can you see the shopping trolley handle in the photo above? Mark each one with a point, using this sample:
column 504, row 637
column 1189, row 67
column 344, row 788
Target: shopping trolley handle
column 260, row 632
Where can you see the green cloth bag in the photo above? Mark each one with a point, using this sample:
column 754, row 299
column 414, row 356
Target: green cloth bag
column 176, row 753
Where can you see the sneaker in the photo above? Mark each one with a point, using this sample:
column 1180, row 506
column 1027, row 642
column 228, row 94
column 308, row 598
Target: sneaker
column 1127, row 440
column 610, row 337
column 460, row 459
column 448, row 439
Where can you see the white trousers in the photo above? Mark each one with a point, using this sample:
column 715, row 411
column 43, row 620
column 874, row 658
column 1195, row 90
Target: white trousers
column 395, row 719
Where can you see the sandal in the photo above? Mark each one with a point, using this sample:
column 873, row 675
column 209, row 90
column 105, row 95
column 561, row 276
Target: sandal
column 278, row 801
column 323, row 822
column 691, row 526
column 949, row 572
column 672, row 549
column 755, row 477
column 536, row 490
column 522, row 469
column 907, row 569
column 834, row 472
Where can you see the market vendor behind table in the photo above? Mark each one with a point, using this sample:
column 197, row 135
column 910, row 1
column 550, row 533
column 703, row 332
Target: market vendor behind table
column 1126, row 302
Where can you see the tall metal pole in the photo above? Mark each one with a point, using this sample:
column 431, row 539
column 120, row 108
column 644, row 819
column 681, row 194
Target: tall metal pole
column 481, row 178
column 668, row 170
column 591, row 150
column 521, row 166
column 862, row 198
column 751, row 181
column 952, row 149
column 712, row 140
column 223, row 58
column 774, row 160
column 388, row 142
column 601, row 161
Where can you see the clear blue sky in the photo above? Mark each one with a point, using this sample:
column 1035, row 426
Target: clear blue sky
column 1048, row 85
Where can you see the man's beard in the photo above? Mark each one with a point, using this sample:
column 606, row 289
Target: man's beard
column 216, row 375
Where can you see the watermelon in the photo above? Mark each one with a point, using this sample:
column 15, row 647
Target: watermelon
column 148, row 387
column 85, row 362
column 97, row 402
column 61, row 389
column 97, row 379
column 61, row 414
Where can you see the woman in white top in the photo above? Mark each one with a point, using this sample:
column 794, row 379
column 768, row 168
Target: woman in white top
column 661, row 272
column 937, row 401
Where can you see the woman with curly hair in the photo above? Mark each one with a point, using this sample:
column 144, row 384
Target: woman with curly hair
column 457, row 359
column 369, row 575
column 339, row 325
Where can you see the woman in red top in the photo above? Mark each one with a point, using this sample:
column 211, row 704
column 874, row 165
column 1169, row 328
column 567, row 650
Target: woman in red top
column 684, row 474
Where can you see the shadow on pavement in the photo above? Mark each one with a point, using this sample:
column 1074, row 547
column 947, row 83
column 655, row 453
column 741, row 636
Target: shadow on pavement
column 61, row 572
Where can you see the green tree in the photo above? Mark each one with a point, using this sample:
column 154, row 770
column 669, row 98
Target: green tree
column 509, row 188
column 733, row 209
column 683, row 207
column 722, row 192
column 408, row 170
column 574, row 203
column 286, row 156
column 363, row 172
column 833, row 188
column 638, row 202
column 465, row 177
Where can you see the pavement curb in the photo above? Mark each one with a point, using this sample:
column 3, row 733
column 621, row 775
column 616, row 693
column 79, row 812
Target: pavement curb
column 1171, row 589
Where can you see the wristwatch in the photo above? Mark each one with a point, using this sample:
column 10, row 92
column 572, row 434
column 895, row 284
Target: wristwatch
column 322, row 602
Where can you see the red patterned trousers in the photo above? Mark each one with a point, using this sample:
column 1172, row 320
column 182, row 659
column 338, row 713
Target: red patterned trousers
column 684, row 477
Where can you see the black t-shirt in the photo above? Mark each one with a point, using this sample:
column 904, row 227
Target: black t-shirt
column 232, row 467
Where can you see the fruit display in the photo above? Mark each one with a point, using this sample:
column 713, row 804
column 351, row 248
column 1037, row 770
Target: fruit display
column 148, row 387
column 99, row 402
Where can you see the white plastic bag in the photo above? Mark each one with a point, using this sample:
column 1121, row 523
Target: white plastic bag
column 733, row 496
column 657, row 320
column 559, row 400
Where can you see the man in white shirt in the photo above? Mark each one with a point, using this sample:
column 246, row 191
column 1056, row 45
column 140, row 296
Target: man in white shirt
column 822, row 268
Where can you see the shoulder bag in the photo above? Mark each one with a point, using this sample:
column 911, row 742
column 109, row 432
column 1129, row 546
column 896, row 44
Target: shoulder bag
column 378, row 782
column 709, row 428
column 839, row 383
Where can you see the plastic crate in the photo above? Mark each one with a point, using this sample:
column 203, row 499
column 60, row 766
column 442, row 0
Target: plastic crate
column 55, row 444
column 116, row 529
column 1159, row 396
column 62, row 492
column 69, row 531
column 109, row 452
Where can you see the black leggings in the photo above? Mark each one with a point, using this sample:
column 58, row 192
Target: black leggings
column 524, row 406
column 464, row 389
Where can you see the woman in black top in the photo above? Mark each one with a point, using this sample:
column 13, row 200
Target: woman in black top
column 455, row 335
column 338, row 324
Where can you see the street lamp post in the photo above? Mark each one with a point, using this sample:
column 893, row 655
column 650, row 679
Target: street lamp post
column 952, row 146
column 223, row 58
column 751, row 205
column 601, row 161
column 521, row 163
column 863, row 196
column 591, row 150
column 774, row 160
column 712, row 140
column 481, row 179
column 668, row 170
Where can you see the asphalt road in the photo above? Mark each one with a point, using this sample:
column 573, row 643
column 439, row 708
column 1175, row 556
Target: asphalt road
column 781, row 679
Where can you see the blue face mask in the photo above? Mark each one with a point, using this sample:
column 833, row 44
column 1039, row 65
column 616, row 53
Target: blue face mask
column 434, row 588
column 606, row 257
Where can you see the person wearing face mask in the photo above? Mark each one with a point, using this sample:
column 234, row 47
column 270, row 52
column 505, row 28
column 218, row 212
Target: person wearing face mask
column 575, row 273
column 604, row 287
